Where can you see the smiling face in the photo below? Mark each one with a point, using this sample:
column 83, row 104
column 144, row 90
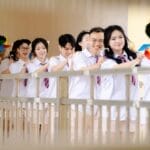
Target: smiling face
column 117, row 42
column 96, row 42
column 23, row 51
column 40, row 51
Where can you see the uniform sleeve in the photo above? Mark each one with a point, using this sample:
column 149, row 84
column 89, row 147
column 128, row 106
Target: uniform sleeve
column 12, row 68
column 31, row 68
column 106, row 86
column 107, row 82
column 4, row 65
column 108, row 64
column 52, row 62
column 78, row 62
column 145, row 62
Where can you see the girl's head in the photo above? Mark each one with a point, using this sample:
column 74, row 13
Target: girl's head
column 23, row 49
column 66, row 45
column 116, row 42
column 115, row 39
column 39, row 48
column 82, row 41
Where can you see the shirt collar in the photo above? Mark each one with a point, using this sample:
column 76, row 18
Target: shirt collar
column 124, row 54
column 87, row 53
column 21, row 62
column 38, row 62
column 62, row 57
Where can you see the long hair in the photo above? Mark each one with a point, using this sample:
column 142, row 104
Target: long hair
column 109, row 52
column 37, row 41
column 79, row 39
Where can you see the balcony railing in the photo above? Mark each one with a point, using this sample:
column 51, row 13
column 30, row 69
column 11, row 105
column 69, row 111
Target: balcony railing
column 64, row 120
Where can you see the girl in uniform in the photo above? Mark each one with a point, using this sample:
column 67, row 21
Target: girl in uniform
column 37, row 65
column 6, row 60
column 146, row 78
column 6, row 86
column 118, row 55
column 82, row 41
column 20, row 66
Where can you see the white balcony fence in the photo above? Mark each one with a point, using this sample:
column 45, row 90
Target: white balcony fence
column 53, row 121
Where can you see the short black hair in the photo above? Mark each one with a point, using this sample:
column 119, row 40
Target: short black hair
column 96, row 29
column 66, row 38
column 147, row 30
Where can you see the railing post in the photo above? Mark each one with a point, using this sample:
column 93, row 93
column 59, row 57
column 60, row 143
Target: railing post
column 128, row 104
column 63, row 106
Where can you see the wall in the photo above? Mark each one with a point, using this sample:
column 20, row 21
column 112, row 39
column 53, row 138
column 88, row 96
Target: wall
column 50, row 18
column 138, row 17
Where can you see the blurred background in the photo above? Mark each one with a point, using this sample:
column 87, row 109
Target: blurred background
column 50, row 18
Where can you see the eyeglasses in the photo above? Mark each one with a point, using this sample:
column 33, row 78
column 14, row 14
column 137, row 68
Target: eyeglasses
column 24, row 48
column 97, row 40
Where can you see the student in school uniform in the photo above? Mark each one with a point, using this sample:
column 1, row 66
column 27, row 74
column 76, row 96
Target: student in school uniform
column 4, row 53
column 62, row 62
column 38, row 89
column 86, row 60
column 146, row 88
column 146, row 78
column 79, row 88
column 20, row 66
column 146, row 63
column 38, row 64
column 82, row 41
column 7, row 84
column 118, row 55
column 6, row 60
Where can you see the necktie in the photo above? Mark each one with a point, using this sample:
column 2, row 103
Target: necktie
column 46, row 80
column 26, row 80
column 98, row 78
column 123, row 59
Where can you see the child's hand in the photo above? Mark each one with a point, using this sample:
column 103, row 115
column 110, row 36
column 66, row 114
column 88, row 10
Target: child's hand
column 101, row 60
column 139, row 58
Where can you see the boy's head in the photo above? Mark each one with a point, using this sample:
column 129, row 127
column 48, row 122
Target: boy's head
column 96, row 40
column 66, row 44
column 147, row 30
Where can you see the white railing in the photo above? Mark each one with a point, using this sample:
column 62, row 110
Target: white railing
column 48, row 120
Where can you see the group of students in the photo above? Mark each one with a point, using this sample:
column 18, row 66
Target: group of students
column 97, row 48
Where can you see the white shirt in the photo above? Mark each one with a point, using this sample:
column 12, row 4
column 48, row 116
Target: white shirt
column 16, row 68
column 53, row 80
column 6, row 84
column 80, row 85
column 113, row 87
column 146, row 78
column 32, row 86
column 146, row 94
column 118, row 90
